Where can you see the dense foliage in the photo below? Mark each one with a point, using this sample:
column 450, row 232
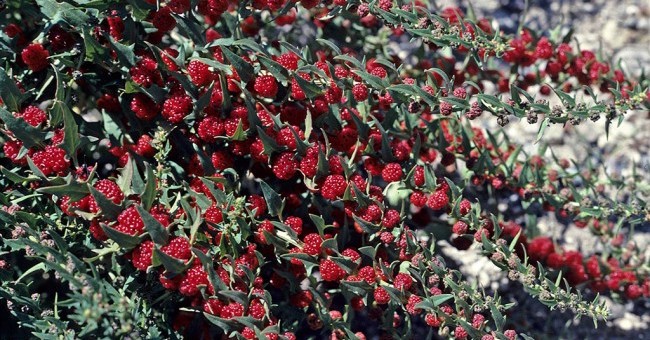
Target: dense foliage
column 281, row 170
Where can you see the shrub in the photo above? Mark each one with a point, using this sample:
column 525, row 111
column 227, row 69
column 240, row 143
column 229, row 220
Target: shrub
column 273, row 170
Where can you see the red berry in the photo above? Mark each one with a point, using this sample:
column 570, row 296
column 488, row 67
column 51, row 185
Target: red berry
column 145, row 73
column 403, row 281
column 194, row 277
column 130, row 222
column 109, row 189
column 312, row 244
column 334, row 187
column 141, row 255
column 295, row 223
column 32, row 115
column 210, row 128
column 330, row 271
column 199, row 73
column 465, row 206
column 144, row 107
column 392, row 172
column 52, row 160
column 381, row 296
column 257, row 204
column 360, row 92
column 460, row 333
column 35, row 57
column 438, row 200
column 178, row 247
column 289, row 61
column 285, row 165
column 177, row 107
column 379, row 71
column 266, row 86
column 163, row 20
column 460, row 228
column 11, row 149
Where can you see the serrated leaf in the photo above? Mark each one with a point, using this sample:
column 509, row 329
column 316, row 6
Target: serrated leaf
column 274, row 202
column 149, row 193
column 310, row 89
column 171, row 264
column 330, row 44
column 157, row 231
column 244, row 69
column 109, row 209
column 278, row 71
column 125, row 241
column 29, row 135
column 74, row 189
column 9, row 92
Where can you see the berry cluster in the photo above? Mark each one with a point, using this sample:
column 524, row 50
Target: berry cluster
column 283, row 193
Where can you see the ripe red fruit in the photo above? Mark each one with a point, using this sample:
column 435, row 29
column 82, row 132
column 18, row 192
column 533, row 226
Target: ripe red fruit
column 266, row 86
column 379, row 72
column 330, row 271
column 381, row 296
column 403, row 281
column 334, row 187
column 460, row 228
column 285, row 165
column 289, row 61
column 178, row 247
column 295, row 223
column 144, row 107
column 210, row 128
column 35, row 57
column 392, row 172
column 312, row 244
column 109, row 189
column 465, row 206
column 360, row 92
column 257, row 202
column 540, row 248
column 141, row 255
column 199, row 73
column 177, row 107
column 130, row 222
column 51, row 161
column 438, row 200
column 11, row 150
column 194, row 277
column 32, row 115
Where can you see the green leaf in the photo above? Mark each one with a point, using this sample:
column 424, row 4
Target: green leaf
column 274, row 202
column 29, row 135
column 74, row 189
column 149, row 194
column 310, row 89
column 270, row 145
column 319, row 222
column 9, row 92
column 63, row 12
column 157, row 231
column 191, row 28
column 109, row 209
column 124, row 53
column 243, row 68
column 125, row 241
column 277, row 70
column 16, row 178
column 374, row 81
column 171, row 264
column 71, row 139
column 432, row 302
column 331, row 45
